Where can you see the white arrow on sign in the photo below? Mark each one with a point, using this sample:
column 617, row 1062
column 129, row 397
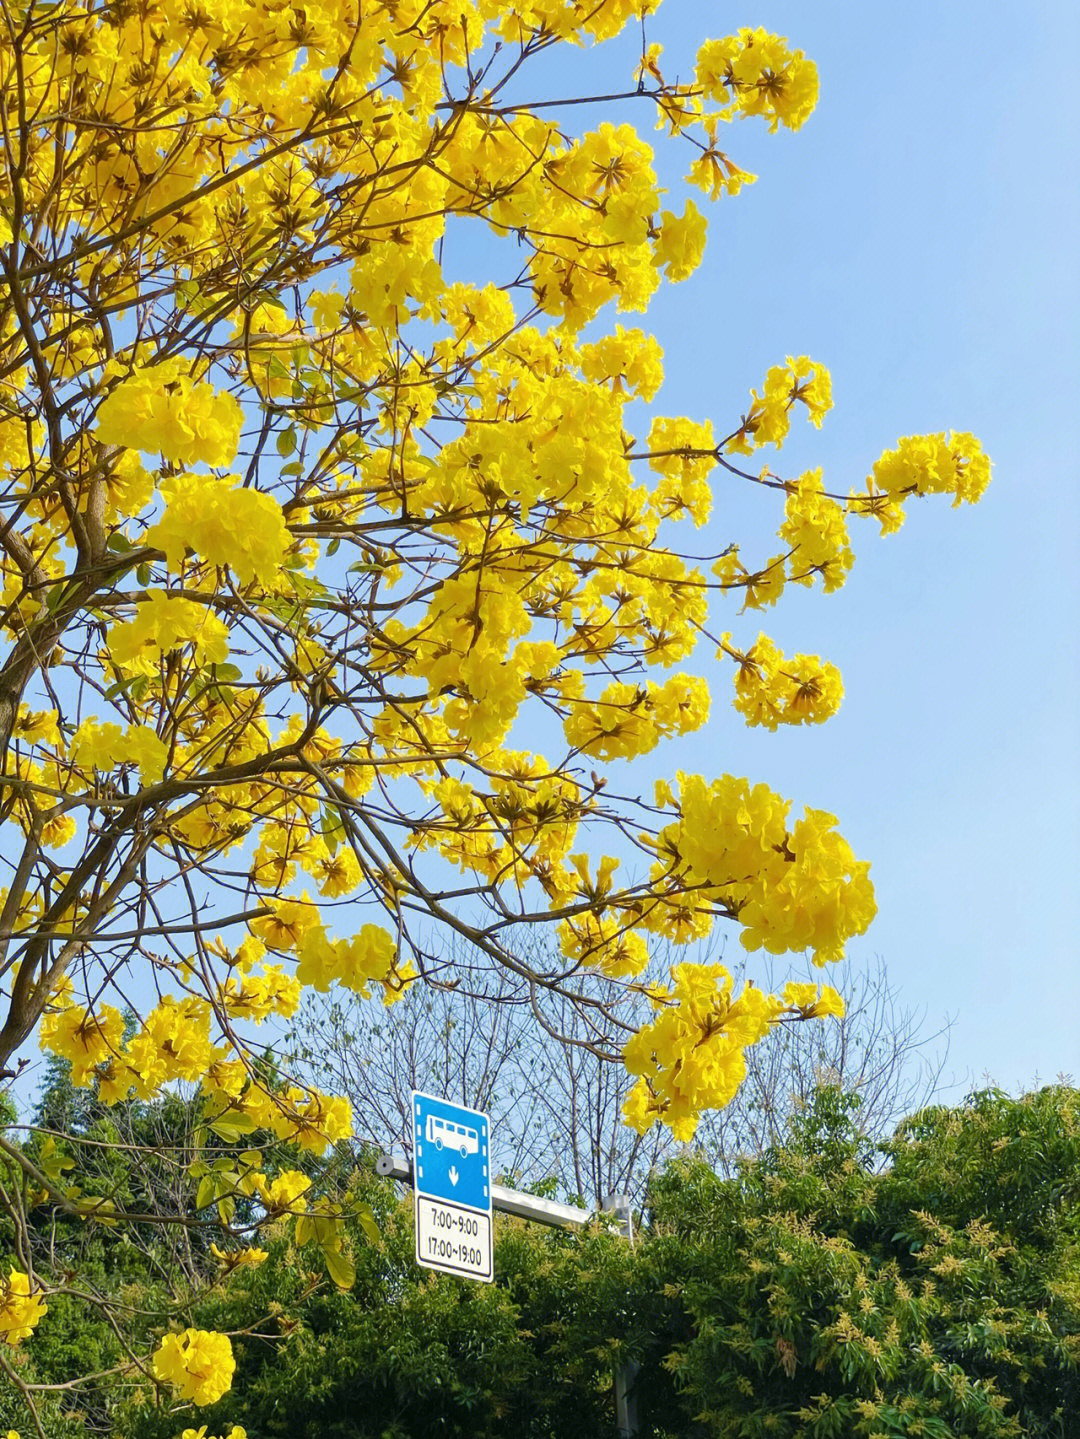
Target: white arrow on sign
column 454, row 1176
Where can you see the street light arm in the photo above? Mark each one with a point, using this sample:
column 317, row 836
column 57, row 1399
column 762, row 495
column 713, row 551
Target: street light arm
column 507, row 1201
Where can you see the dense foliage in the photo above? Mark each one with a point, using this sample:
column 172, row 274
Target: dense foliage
column 820, row 1296
column 929, row 1289
column 129, row 1288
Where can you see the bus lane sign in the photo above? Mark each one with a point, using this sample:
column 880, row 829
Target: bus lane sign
column 452, row 1188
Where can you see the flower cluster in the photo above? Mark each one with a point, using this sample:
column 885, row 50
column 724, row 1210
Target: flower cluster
column 174, row 1042
column 729, row 850
column 162, row 410
column 771, row 689
column 629, row 720
column 102, row 747
column 21, row 1308
column 225, row 524
column 767, row 422
column 934, row 465
column 815, row 528
column 197, row 1363
column 162, row 624
column 755, row 73
column 691, row 1057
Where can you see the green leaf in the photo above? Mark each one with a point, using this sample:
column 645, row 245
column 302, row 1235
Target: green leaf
column 231, row 1126
column 367, row 1222
column 307, row 585
column 55, row 595
column 287, row 611
column 207, row 1191
column 286, row 441
column 142, row 574
column 54, row 1161
column 331, row 827
column 341, row 1270
column 119, row 542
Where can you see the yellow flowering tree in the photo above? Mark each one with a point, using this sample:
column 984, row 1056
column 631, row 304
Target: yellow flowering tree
column 333, row 586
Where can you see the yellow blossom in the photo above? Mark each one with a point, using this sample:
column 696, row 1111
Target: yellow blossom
column 164, row 623
column 58, row 830
column 163, row 411
column 197, row 1363
column 285, row 1192
column 300, row 575
column 37, row 726
column 224, row 523
column 682, row 242
column 248, row 1258
column 20, row 1308
column 86, row 1038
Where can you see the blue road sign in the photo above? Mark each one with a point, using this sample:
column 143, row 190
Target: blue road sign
column 450, row 1152
column 452, row 1187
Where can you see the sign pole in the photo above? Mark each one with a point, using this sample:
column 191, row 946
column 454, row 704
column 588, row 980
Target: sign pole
column 626, row 1400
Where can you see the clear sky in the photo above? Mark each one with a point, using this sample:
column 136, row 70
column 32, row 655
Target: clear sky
column 918, row 237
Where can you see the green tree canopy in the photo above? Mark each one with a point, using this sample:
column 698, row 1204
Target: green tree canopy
column 927, row 1289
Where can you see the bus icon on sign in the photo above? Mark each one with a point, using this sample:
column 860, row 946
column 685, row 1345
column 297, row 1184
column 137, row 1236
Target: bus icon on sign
column 444, row 1133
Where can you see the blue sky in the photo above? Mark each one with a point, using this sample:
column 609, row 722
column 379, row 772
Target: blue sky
column 916, row 237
